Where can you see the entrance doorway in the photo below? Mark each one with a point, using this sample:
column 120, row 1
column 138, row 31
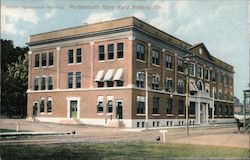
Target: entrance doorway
column 73, row 109
column 34, row 114
column 119, row 110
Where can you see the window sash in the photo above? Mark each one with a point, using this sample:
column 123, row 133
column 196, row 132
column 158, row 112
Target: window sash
column 70, row 56
column 42, row 105
column 156, row 105
column 101, row 52
column 180, row 65
column 36, row 84
column 140, row 52
column 51, row 59
column 100, row 106
column 181, row 107
column 169, row 61
column 70, row 80
column 78, row 55
column 44, row 59
column 169, row 106
column 43, row 83
column 111, row 51
column 120, row 48
column 50, row 83
column 37, row 57
column 49, row 106
column 78, row 79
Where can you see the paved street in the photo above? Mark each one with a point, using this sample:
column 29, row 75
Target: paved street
column 222, row 136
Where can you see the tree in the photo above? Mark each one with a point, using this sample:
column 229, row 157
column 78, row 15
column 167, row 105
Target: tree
column 14, row 79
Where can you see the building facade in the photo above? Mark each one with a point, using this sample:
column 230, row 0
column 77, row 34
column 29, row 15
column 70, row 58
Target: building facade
column 95, row 74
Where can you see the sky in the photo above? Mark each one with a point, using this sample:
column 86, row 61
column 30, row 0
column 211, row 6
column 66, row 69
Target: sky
column 222, row 25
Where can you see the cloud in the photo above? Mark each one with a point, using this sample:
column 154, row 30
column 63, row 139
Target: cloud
column 139, row 15
column 10, row 18
column 51, row 9
column 101, row 16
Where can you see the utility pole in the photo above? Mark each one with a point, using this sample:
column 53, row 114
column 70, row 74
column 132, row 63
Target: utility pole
column 187, row 102
column 146, row 96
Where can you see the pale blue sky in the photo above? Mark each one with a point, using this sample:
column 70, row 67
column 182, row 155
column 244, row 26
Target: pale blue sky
column 221, row 25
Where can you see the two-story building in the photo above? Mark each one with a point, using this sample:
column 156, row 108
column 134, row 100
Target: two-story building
column 95, row 74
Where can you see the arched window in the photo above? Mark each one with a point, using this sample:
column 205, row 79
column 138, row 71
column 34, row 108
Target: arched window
column 200, row 85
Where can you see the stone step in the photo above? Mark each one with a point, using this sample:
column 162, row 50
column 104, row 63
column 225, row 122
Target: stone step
column 70, row 121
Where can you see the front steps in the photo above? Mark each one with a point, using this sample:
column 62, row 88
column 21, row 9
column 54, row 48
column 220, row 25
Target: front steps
column 116, row 124
column 70, row 121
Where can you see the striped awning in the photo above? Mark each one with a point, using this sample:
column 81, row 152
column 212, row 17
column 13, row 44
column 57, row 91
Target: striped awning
column 109, row 75
column 118, row 75
column 192, row 87
column 99, row 76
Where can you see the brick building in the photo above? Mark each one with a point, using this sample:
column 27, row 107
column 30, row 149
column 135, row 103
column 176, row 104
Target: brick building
column 95, row 74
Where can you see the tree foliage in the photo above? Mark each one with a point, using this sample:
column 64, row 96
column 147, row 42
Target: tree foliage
column 14, row 79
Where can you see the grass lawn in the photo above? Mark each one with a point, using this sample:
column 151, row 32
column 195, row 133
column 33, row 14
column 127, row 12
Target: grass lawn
column 135, row 150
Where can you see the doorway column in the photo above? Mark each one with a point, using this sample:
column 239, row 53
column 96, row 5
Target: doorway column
column 206, row 115
column 198, row 112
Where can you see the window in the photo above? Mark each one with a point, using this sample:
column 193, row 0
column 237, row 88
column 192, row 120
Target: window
column 140, row 52
column 169, row 84
column 50, row 83
column 140, row 79
column 180, row 65
column 78, row 79
column 51, row 59
column 169, row 63
column 140, row 107
column 156, row 105
column 220, row 110
column 207, row 74
column 214, row 76
column 169, row 106
column 231, row 110
column 181, row 107
column 70, row 79
column 119, row 83
column 109, row 104
column 219, row 78
column 200, row 85
column 44, row 59
column 36, row 83
column 111, row 51
column 120, row 50
column 36, row 60
column 192, row 108
column 43, row 83
column 42, row 105
column 70, row 56
column 100, row 84
column 79, row 55
column 191, row 69
column 199, row 72
column 49, row 105
column 180, row 87
column 155, row 82
column 155, row 57
column 226, row 110
column 99, row 104
column 110, row 84
column 101, row 53
column 225, row 81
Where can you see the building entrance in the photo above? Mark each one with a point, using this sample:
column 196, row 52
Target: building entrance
column 73, row 109
column 119, row 110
